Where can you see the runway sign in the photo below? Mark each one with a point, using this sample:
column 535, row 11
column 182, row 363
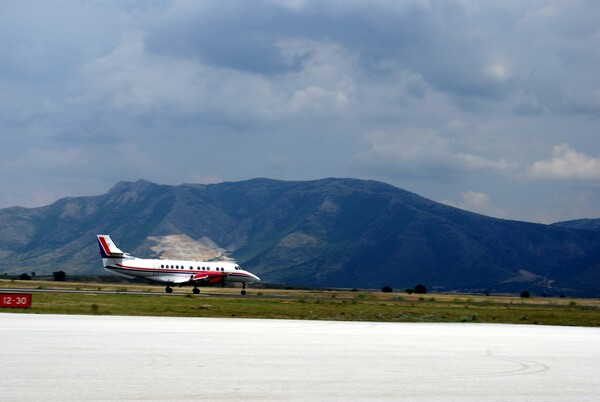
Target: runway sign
column 15, row 300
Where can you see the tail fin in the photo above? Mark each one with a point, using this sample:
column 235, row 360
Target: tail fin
column 108, row 249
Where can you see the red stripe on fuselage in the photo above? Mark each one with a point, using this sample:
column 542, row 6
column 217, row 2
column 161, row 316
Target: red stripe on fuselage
column 186, row 271
column 169, row 271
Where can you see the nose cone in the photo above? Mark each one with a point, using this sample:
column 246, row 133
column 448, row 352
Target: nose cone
column 250, row 277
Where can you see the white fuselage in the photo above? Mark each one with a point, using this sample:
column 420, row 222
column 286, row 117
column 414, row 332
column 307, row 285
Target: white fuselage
column 177, row 271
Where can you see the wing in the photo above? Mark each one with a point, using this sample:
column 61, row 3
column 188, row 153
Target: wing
column 169, row 278
column 195, row 279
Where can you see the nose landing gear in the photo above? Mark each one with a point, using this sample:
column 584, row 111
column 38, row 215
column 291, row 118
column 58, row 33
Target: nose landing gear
column 243, row 292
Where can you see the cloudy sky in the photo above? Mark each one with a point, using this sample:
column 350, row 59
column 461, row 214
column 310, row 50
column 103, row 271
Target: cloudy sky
column 490, row 106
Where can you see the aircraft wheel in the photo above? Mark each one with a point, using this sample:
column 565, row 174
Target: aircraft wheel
column 196, row 291
column 243, row 292
column 169, row 289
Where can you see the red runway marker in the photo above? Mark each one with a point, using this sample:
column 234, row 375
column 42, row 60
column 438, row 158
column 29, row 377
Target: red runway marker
column 15, row 300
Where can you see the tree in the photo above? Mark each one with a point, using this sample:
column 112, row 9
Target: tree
column 420, row 289
column 387, row 289
column 525, row 294
column 59, row 276
column 410, row 291
column 24, row 277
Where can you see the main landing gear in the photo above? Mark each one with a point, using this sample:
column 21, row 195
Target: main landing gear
column 196, row 291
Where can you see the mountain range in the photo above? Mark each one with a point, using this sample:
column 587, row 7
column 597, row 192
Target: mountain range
column 324, row 233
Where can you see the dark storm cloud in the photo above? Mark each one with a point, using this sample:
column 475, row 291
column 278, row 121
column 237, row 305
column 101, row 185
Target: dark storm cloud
column 452, row 46
column 237, row 35
column 467, row 101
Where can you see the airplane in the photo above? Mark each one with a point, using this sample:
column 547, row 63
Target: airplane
column 172, row 272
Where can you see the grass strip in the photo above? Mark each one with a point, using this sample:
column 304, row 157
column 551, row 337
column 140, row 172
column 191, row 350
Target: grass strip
column 307, row 308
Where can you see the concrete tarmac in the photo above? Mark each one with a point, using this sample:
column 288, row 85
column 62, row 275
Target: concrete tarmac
column 106, row 358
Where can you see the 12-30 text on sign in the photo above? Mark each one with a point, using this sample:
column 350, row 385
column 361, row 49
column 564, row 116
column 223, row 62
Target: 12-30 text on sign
column 17, row 300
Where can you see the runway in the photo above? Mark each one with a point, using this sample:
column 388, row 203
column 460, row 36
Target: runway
column 106, row 358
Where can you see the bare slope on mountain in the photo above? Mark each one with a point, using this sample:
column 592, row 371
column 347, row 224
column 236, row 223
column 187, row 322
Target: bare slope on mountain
column 331, row 232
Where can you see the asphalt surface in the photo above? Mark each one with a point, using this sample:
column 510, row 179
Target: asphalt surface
column 106, row 358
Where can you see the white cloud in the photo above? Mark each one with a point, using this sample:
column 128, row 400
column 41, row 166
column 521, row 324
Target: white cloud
column 476, row 199
column 324, row 84
column 422, row 153
column 566, row 164
column 477, row 202
column 68, row 162
column 498, row 71
column 315, row 100
column 277, row 162
column 43, row 160
column 294, row 5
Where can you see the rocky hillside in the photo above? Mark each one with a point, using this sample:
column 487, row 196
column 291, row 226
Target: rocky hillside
column 327, row 233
